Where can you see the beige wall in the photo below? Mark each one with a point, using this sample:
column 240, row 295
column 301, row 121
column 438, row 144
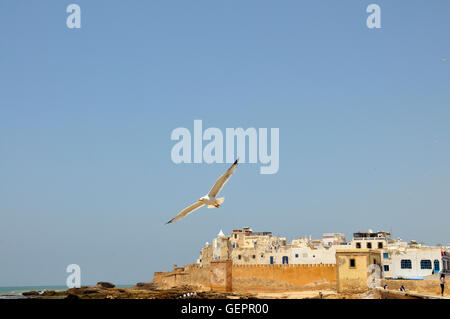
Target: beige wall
column 354, row 279
column 220, row 275
column 255, row 277
column 431, row 286
column 283, row 277
column 191, row 275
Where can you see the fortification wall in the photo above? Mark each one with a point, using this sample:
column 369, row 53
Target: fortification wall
column 191, row 275
column 200, row 277
column 283, row 277
column 427, row 286
column 256, row 277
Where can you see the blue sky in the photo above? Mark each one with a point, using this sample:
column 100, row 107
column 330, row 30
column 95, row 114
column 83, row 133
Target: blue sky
column 86, row 116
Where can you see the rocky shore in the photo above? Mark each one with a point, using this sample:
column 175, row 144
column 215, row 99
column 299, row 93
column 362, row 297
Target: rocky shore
column 146, row 290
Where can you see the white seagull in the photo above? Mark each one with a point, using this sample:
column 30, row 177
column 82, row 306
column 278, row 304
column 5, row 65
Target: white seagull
column 210, row 199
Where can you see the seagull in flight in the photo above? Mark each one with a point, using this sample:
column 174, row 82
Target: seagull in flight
column 210, row 199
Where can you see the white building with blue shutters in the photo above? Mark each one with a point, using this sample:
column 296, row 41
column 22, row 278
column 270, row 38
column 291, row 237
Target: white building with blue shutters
column 410, row 262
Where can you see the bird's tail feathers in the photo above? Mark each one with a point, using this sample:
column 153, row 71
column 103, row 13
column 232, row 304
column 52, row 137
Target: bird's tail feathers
column 220, row 200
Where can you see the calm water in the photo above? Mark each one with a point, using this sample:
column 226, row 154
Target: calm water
column 16, row 292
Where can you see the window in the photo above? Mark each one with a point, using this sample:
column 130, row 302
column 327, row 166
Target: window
column 235, row 236
column 271, row 260
column 352, row 263
column 437, row 267
column 369, row 245
column 262, row 255
column 296, row 255
column 386, row 267
column 285, row 260
column 380, row 245
column 358, row 245
column 405, row 264
column 234, row 245
column 239, row 257
column 374, row 261
column 386, row 255
column 425, row 264
column 254, row 256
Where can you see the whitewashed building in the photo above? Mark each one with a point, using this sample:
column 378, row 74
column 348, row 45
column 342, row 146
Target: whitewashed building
column 399, row 259
column 371, row 240
column 411, row 262
column 314, row 255
column 246, row 247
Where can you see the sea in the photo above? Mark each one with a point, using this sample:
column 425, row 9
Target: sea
column 16, row 292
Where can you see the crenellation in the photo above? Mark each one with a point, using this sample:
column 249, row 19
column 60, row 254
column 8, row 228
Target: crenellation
column 261, row 260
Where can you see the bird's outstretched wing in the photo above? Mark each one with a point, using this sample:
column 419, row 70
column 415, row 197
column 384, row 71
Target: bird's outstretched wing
column 186, row 211
column 215, row 190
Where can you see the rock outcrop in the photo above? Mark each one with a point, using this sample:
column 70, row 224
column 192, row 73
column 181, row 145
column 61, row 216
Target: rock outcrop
column 104, row 284
column 140, row 291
